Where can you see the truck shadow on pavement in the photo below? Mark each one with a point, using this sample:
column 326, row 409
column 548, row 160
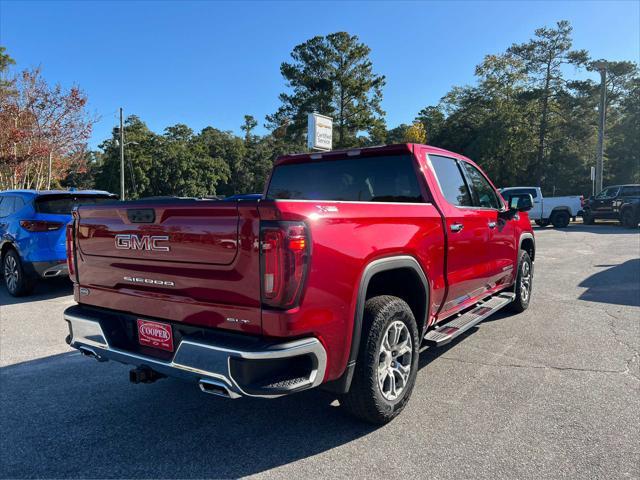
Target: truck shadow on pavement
column 66, row 416
column 609, row 228
column 44, row 290
column 617, row 284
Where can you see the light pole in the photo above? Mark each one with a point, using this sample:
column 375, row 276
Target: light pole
column 601, row 66
column 122, row 145
column 121, row 159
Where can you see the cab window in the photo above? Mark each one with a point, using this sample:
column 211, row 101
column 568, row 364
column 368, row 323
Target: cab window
column 482, row 192
column 373, row 179
column 451, row 181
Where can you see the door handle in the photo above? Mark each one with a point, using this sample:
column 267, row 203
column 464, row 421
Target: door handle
column 456, row 227
column 492, row 224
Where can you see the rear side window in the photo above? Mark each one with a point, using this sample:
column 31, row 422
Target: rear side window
column 451, row 181
column 375, row 179
column 483, row 193
column 63, row 205
column 6, row 206
column 631, row 191
column 18, row 204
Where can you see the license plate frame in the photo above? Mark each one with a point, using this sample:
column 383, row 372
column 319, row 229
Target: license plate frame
column 155, row 334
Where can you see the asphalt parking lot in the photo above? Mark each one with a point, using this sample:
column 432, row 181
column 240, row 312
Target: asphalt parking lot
column 551, row 393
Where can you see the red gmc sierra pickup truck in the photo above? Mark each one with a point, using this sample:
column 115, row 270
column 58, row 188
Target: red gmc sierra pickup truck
column 350, row 263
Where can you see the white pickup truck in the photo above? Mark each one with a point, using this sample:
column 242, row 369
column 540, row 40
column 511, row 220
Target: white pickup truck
column 546, row 210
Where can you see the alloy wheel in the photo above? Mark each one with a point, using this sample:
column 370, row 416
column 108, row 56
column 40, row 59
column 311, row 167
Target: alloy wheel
column 525, row 281
column 11, row 273
column 394, row 360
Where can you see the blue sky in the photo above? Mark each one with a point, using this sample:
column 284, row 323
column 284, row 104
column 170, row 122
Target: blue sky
column 209, row 63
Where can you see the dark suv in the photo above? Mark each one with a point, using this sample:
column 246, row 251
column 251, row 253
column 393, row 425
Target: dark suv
column 618, row 202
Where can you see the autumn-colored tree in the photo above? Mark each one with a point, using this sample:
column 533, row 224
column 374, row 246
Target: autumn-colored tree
column 416, row 133
column 43, row 131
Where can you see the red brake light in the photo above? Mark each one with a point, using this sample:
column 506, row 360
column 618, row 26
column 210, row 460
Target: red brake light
column 284, row 256
column 71, row 264
column 40, row 225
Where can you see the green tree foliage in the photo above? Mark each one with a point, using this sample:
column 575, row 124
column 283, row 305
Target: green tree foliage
column 139, row 151
column 5, row 62
column 527, row 124
column 542, row 59
column 396, row 134
column 247, row 127
column 175, row 163
column 525, row 120
column 231, row 149
column 623, row 147
column 332, row 75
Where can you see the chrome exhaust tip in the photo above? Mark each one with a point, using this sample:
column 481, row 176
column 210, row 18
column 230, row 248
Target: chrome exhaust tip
column 88, row 352
column 213, row 387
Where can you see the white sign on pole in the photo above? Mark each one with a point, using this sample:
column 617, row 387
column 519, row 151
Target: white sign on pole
column 593, row 173
column 320, row 132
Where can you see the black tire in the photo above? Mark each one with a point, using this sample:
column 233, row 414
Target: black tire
column 587, row 218
column 521, row 302
column 17, row 282
column 560, row 219
column 542, row 223
column 365, row 398
column 627, row 219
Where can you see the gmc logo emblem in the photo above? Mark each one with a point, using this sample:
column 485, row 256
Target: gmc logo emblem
column 142, row 242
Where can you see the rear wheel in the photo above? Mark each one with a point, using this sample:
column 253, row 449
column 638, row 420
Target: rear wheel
column 387, row 362
column 542, row 223
column 18, row 283
column 587, row 218
column 628, row 219
column 524, row 284
column 560, row 219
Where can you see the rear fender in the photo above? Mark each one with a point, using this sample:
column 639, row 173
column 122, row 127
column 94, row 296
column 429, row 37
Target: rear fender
column 342, row 384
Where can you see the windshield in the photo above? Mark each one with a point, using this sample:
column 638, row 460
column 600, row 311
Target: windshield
column 63, row 205
column 373, row 179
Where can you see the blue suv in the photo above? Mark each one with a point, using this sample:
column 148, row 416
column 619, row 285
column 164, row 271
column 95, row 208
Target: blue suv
column 32, row 233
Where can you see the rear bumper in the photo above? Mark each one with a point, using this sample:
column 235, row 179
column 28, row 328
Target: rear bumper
column 56, row 268
column 227, row 367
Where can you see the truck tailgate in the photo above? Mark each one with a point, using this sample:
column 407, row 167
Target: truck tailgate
column 195, row 262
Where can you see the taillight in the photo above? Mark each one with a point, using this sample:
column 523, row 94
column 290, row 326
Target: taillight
column 40, row 225
column 71, row 264
column 70, row 246
column 284, row 259
column 582, row 200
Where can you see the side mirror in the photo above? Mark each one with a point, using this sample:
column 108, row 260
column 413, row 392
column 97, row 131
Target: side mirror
column 522, row 202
